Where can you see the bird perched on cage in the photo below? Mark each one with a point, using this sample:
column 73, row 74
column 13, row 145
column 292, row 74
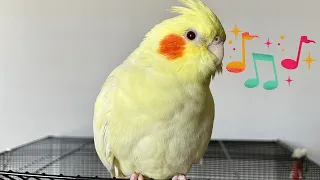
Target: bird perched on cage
column 154, row 115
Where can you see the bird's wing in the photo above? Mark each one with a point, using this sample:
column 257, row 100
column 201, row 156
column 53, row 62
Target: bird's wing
column 102, row 110
column 209, row 115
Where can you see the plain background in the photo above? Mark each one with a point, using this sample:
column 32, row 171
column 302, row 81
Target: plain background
column 55, row 55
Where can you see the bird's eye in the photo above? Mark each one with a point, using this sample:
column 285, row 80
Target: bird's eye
column 217, row 40
column 191, row 35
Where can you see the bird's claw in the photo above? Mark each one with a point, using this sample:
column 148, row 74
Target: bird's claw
column 179, row 177
column 136, row 176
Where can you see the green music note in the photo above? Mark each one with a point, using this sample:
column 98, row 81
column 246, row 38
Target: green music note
column 254, row 82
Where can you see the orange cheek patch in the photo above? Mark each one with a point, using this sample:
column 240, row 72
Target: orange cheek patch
column 172, row 46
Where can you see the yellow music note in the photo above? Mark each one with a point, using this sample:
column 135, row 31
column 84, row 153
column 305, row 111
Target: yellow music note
column 239, row 66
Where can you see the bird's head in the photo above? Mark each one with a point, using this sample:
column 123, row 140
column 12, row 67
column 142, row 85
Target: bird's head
column 189, row 46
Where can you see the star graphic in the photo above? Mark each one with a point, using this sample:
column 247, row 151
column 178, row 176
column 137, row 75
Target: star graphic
column 235, row 31
column 309, row 60
column 289, row 80
column 268, row 43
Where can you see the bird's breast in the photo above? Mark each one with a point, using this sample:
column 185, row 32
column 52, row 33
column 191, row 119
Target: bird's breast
column 171, row 146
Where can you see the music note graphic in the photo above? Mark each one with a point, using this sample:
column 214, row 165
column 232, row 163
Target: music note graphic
column 254, row 82
column 294, row 63
column 239, row 66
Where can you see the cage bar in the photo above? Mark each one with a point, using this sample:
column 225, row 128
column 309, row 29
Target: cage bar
column 53, row 158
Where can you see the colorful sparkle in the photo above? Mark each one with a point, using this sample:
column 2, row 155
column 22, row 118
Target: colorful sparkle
column 230, row 57
column 282, row 50
column 309, row 60
column 268, row 43
column 289, row 80
column 282, row 37
column 235, row 31
column 234, row 49
column 278, row 44
column 230, row 41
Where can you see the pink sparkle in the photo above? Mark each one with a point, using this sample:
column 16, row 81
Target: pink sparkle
column 234, row 49
column 278, row 44
column 268, row 43
column 289, row 80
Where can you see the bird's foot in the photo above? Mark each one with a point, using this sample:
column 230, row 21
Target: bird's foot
column 179, row 177
column 136, row 176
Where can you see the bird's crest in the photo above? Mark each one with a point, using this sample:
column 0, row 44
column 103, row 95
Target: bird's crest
column 194, row 8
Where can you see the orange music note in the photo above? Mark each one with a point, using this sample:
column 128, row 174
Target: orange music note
column 239, row 66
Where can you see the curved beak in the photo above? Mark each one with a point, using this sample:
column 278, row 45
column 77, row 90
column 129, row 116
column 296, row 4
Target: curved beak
column 218, row 51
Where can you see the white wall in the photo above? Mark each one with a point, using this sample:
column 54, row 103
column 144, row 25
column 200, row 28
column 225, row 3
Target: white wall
column 55, row 55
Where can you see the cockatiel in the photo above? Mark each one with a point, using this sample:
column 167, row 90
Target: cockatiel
column 154, row 115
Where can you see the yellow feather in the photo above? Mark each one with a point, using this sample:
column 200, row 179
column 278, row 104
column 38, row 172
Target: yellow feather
column 154, row 116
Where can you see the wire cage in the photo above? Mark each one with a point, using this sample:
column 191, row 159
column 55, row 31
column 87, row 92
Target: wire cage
column 75, row 158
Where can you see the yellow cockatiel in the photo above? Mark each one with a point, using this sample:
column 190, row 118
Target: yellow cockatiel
column 154, row 115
